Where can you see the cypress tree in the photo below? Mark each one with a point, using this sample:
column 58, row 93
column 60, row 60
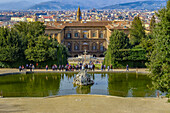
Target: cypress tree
column 137, row 31
column 152, row 23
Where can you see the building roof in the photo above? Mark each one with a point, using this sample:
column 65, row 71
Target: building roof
column 119, row 25
column 109, row 24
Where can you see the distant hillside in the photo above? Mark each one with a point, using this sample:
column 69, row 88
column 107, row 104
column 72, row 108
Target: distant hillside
column 16, row 5
column 84, row 4
column 150, row 5
column 53, row 5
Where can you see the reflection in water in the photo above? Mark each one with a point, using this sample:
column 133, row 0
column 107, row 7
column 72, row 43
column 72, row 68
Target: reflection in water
column 46, row 84
column 126, row 76
column 30, row 85
column 83, row 89
column 129, row 85
column 136, row 75
column 69, row 75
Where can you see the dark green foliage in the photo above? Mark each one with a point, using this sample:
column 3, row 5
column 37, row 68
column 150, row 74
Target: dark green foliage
column 160, row 57
column 26, row 42
column 147, row 44
column 137, row 31
column 119, row 52
column 9, row 45
column 118, row 40
column 37, row 50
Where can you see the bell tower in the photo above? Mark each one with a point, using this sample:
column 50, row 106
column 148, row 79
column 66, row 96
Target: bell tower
column 79, row 17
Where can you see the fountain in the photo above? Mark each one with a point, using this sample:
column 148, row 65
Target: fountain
column 82, row 78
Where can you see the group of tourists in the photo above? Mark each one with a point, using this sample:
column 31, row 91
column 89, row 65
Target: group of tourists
column 73, row 67
column 103, row 67
column 31, row 67
column 67, row 67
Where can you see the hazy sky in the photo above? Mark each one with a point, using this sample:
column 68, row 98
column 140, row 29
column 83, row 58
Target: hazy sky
column 37, row 1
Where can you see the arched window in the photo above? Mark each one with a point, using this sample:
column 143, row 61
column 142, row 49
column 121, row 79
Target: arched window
column 101, row 47
column 94, row 46
column 85, row 34
column 76, row 46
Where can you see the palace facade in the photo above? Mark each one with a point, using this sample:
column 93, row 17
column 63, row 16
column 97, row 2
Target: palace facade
column 78, row 36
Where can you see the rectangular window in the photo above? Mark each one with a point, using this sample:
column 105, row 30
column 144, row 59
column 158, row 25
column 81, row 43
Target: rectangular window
column 101, row 35
column 68, row 35
column 94, row 34
column 76, row 35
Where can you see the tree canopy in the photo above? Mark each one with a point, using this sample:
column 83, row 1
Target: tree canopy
column 137, row 31
column 118, row 40
column 9, row 45
column 27, row 41
column 160, row 57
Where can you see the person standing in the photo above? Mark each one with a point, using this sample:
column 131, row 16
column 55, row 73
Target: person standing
column 111, row 67
column 59, row 67
column 62, row 67
column 30, row 66
column 53, row 68
column 73, row 67
column 36, row 65
column 33, row 67
column 127, row 67
column 93, row 66
column 108, row 67
column 20, row 68
column 46, row 67
column 104, row 67
column 26, row 66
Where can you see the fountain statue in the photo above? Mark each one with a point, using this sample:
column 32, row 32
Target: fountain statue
column 82, row 78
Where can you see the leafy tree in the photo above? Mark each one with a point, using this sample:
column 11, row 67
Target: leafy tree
column 27, row 42
column 37, row 50
column 28, row 31
column 53, row 49
column 147, row 44
column 137, row 31
column 34, row 28
column 118, row 40
column 160, row 58
column 9, row 45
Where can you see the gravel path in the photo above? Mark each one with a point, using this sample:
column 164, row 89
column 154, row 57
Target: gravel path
column 6, row 71
column 84, row 104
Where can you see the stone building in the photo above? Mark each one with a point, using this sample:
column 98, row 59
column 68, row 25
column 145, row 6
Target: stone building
column 79, row 35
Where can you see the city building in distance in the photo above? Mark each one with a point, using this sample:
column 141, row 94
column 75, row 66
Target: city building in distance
column 78, row 36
